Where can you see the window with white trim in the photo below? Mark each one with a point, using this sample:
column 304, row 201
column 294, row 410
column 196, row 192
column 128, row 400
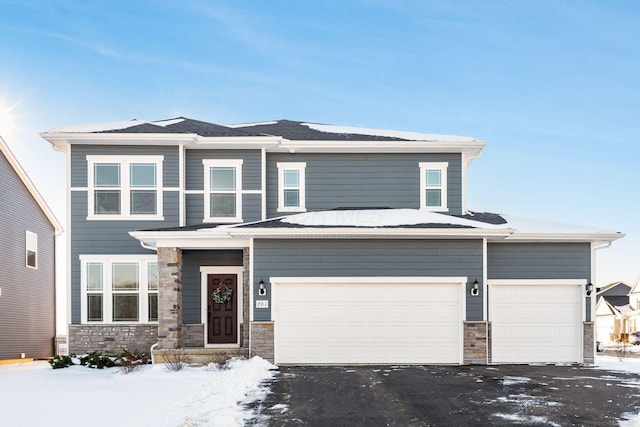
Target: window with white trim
column 433, row 186
column 125, row 187
column 119, row 289
column 222, row 190
column 291, row 187
column 31, row 252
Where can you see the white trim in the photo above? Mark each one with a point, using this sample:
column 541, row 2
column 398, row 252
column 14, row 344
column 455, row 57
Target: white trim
column 263, row 183
column 208, row 164
column 251, row 191
column 334, row 280
column 107, row 292
column 181, row 197
column 124, row 188
column 251, row 279
column 485, row 288
column 239, row 272
column 193, row 191
column 442, row 167
column 299, row 167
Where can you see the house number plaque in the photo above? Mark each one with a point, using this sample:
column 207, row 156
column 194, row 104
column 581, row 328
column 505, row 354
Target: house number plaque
column 262, row 303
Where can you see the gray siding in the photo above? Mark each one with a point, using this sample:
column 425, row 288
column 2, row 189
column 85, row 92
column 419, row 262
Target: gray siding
column 27, row 303
column 540, row 261
column 251, row 167
column 191, row 285
column 108, row 237
column 170, row 165
column 318, row 258
column 363, row 180
column 251, row 208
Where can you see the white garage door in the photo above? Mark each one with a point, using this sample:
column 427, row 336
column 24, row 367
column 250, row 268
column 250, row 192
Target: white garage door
column 369, row 321
column 535, row 322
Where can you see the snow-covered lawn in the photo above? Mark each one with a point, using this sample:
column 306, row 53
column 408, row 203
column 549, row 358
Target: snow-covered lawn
column 33, row 394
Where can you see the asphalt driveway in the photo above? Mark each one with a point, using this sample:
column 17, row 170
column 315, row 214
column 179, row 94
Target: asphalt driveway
column 449, row 396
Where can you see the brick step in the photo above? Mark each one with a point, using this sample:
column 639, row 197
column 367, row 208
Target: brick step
column 198, row 356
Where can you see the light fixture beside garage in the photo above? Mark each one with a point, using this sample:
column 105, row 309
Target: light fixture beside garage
column 262, row 291
column 475, row 288
column 589, row 288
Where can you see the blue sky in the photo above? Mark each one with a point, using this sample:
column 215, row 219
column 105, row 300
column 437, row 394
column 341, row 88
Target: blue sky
column 553, row 86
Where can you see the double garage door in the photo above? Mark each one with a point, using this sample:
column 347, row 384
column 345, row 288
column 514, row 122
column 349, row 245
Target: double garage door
column 420, row 320
column 368, row 321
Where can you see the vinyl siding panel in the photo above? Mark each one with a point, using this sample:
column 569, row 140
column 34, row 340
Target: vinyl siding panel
column 79, row 153
column 108, row 237
column 540, row 261
column 27, row 303
column 363, row 180
column 318, row 258
column 251, row 167
column 191, row 284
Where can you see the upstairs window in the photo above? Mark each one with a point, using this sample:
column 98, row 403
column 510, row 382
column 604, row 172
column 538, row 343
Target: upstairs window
column 433, row 186
column 291, row 187
column 122, row 188
column 223, row 190
column 31, row 249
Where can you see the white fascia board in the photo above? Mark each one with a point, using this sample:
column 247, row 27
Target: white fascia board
column 238, row 238
column 380, row 146
column 61, row 140
column 565, row 237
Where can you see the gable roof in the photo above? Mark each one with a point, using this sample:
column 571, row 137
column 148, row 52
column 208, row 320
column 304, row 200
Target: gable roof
column 4, row 149
column 614, row 289
column 636, row 286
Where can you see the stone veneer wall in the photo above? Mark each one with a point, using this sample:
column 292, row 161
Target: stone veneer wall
column 193, row 335
column 111, row 339
column 262, row 340
column 588, row 355
column 475, row 343
column 169, row 298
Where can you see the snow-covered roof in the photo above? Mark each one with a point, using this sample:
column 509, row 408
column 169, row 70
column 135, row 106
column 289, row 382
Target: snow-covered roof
column 409, row 136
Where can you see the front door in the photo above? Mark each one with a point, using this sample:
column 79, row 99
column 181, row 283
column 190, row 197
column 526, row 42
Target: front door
column 222, row 309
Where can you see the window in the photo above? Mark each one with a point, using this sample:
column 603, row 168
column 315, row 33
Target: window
column 433, row 186
column 223, row 190
column 31, row 249
column 291, row 187
column 120, row 288
column 125, row 188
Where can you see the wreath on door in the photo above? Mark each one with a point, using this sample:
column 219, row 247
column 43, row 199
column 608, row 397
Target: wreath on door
column 222, row 294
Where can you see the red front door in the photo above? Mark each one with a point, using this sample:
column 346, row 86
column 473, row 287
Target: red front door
column 222, row 317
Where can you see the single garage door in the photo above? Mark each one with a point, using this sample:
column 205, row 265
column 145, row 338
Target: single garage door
column 536, row 322
column 368, row 321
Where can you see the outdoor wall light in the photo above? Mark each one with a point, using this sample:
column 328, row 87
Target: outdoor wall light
column 262, row 291
column 475, row 289
column 589, row 288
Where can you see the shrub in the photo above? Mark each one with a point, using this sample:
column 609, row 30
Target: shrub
column 61, row 361
column 130, row 361
column 97, row 360
column 176, row 359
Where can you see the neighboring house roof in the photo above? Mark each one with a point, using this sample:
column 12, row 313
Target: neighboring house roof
column 616, row 293
column 636, row 286
column 403, row 223
column 29, row 185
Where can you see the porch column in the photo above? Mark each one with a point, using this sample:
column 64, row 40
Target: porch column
column 169, row 298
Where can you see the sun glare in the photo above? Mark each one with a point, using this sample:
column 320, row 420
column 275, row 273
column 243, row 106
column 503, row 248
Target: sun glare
column 8, row 119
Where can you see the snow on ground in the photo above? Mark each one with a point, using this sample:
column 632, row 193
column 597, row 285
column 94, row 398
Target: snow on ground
column 622, row 364
column 33, row 394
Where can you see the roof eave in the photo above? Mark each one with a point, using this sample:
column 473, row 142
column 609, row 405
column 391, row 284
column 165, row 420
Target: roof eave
column 567, row 237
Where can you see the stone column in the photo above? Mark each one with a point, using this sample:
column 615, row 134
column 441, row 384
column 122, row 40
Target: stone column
column 169, row 298
column 588, row 342
column 475, row 350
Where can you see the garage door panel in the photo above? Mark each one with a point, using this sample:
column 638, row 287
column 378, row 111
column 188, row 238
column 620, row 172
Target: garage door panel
column 368, row 323
column 536, row 323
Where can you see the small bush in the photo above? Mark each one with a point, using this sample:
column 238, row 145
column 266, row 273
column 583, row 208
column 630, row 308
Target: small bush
column 130, row 361
column 176, row 359
column 97, row 360
column 61, row 361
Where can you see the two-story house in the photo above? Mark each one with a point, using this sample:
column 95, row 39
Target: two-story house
column 28, row 229
column 311, row 244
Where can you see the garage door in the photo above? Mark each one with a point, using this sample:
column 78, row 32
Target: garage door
column 539, row 322
column 369, row 321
